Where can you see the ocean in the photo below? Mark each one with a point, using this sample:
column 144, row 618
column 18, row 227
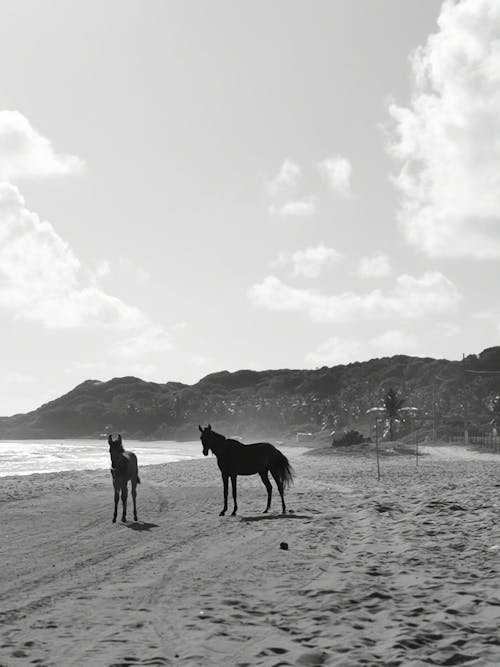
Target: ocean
column 24, row 457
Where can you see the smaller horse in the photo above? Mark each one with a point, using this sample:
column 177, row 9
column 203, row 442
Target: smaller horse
column 234, row 458
column 123, row 469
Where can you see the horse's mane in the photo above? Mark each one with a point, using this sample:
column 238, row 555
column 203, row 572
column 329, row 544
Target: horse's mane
column 211, row 432
column 222, row 438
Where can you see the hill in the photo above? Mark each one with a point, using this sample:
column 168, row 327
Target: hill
column 273, row 402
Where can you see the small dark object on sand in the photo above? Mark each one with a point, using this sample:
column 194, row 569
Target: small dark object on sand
column 284, row 545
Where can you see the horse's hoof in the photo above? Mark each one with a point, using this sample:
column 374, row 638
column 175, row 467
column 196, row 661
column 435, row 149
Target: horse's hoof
column 222, row 513
column 233, row 513
column 114, row 520
column 124, row 520
column 266, row 510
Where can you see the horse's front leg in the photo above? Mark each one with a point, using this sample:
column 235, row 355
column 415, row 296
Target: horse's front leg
column 225, row 482
column 124, row 501
column 117, row 498
column 233, row 484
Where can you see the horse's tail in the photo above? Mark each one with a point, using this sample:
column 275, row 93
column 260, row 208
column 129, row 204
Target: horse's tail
column 282, row 469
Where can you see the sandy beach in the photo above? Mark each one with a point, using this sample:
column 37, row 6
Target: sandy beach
column 405, row 571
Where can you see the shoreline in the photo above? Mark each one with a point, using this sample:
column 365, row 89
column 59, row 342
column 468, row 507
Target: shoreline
column 355, row 454
column 403, row 570
column 53, row 456
column 63, row 480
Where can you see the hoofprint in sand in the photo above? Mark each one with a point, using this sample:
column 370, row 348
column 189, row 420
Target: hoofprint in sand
column 405, row 571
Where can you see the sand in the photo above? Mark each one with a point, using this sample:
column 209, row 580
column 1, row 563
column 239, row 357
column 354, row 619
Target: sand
column 404, row 571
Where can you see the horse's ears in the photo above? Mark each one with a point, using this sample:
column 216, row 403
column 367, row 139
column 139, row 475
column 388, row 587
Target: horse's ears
column 209, row 427
column 200, row 428
column 110, row 439
column 119, row 439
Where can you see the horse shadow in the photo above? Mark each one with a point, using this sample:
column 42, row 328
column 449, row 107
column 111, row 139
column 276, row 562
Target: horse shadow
column 141, row 525
column 272, row 517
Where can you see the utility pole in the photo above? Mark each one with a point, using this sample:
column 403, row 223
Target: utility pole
column 434, row 408
column 412, row 411
column 466, row 430
column 376, row 446
column 377, row 411
column 434, row 424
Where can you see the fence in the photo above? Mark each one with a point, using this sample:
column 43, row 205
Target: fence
column 486, row 440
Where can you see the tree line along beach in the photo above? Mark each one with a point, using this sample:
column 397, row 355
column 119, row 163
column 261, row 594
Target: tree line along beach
column 276, row 404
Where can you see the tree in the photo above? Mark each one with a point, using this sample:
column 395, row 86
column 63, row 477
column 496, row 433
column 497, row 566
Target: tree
column 393, row 403
column 494, row 408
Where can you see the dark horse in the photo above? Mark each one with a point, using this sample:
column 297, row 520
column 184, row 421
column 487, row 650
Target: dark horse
column 123, row 469
column 234, row 458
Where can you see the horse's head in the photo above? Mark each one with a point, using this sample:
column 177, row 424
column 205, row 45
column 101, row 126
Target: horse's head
column 115, row 446
column 206, row 438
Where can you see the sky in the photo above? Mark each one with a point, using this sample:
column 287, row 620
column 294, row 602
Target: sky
column 192, row 186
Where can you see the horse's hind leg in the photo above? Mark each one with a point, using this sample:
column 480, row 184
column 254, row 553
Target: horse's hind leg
column 264, row 477
column 233, row 484
column 134, row 496
column 124, row 501
column 117, row 498
column 279, row 484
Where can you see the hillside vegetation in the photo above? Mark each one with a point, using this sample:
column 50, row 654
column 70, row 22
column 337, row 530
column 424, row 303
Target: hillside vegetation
column 274, row 403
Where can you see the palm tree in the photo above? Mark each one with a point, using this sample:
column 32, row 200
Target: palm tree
column 494, row 407
column 393, row 403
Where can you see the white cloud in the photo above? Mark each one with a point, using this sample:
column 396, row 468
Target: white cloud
column 119, row 267
column 40, row 276
column 78, row 307
column 409, row 299
column 337, row 173
column 308, row 262
column 447, row 139
column 374, row 267
column 25, row 153
column 300, row 207
column 393, row 342
column 286, row 179
column 102, row 270
column 179, row 326
column 335, row 350
column 151, row 339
